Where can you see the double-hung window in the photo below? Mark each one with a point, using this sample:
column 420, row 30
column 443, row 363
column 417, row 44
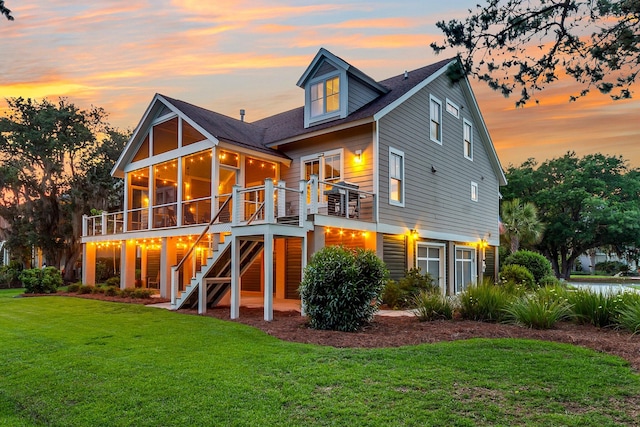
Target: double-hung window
column 435, row 119
column 327, row 167
column 430, row 259
column 325, row 96
column 467, row 139
column 465, row 268
column 396, row 177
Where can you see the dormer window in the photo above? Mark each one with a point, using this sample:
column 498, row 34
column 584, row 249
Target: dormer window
column 325, row 96
column 333, row 89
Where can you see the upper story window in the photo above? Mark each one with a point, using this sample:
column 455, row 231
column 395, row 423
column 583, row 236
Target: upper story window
column 325, row 96
column 396, row 177
column 435, row 118
column 453, row 109
column 165, row 136
column 327, row 167
column 468, row 139
column 474, row 191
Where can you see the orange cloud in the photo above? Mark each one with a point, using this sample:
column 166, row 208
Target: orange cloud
column 248, row 11
column 384, row 23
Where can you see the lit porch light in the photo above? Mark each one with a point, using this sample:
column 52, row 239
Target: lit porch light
column 358, row 157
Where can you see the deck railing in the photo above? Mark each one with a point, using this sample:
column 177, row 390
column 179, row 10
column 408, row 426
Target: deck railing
column 254, row 205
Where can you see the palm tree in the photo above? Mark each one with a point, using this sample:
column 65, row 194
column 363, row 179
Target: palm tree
column 521, row 223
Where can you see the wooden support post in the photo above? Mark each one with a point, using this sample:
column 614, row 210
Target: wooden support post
column 268, row 277
column 235, row 278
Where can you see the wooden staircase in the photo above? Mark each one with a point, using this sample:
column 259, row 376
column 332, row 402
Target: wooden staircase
column 215, row 273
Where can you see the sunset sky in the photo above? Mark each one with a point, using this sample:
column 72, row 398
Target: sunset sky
column 228, row 55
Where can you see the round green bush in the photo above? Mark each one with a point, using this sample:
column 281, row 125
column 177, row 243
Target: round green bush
column 41, row 281
column 341, row 288
column 400, row 294
column 515, row 274
column 536, row 263
column 549, row 281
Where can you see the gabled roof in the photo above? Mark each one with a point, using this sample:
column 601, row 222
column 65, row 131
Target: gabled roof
column 288, row 126
column 322, row 55
column 225, row 128
column 291, row 123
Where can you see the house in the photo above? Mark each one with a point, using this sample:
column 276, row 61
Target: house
column 217, row 208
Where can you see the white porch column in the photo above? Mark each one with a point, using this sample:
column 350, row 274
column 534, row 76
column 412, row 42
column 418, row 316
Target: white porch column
column 235, row 278
column 269, row 214
column 305, row 254
column 127, row 263
column 313, row 182
column 268, row 277
column 168, row 257
column 89, row 264
column 280, row 246
column 143, row 265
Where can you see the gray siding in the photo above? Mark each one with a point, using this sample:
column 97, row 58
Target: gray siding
column 360, row 138
column 359, row 95
column 394, row 255
column 293, row 271
column 440, row 201
column 325, row 68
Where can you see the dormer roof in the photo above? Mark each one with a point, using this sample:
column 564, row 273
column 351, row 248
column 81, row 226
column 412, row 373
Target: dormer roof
column 323, row 56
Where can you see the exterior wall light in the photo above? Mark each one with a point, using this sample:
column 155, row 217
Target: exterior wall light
column 358, row 157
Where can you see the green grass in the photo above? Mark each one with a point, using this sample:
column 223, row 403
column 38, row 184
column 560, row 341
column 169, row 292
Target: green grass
column 77, row 362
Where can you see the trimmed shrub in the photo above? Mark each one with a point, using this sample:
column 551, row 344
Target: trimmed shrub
column 516, row 275
column 394, row 296
column 341, row 288
column 400, row 294
column 536, row 263
column 537, row 311
column 126, row 292
column 429, row 306
column 485, row 302
column 611, row 267
column 112, row 291
column 10, row 275
column 142, row 293
column 41, row 281
column 86, row 289
column 549, row 281
column 113, row 281
column 74, row 287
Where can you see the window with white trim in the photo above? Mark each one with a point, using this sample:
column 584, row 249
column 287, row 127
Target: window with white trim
column 465, row 268
column 453, row 109
column 474, row 191
column 467, row 139
column 430, row 259
column 435, row 119
column 325, row 96
column 327, row 166
column 396, row 177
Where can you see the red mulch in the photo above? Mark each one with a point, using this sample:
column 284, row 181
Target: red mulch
column 387, row 331
column 407, row 330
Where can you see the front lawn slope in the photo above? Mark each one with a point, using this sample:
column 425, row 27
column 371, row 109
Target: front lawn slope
column 76, row 362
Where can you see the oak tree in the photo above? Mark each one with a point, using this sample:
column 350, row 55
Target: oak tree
column 54, row 167
column 527, row 45
column 4, row 11
column 585, row 203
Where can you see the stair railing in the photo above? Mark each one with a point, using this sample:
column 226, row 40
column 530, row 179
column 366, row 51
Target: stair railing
column 175, row 270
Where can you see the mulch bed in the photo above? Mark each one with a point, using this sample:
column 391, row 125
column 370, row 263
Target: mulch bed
column 387, row 331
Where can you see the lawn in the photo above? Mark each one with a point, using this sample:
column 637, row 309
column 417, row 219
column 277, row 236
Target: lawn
column 76, row 362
